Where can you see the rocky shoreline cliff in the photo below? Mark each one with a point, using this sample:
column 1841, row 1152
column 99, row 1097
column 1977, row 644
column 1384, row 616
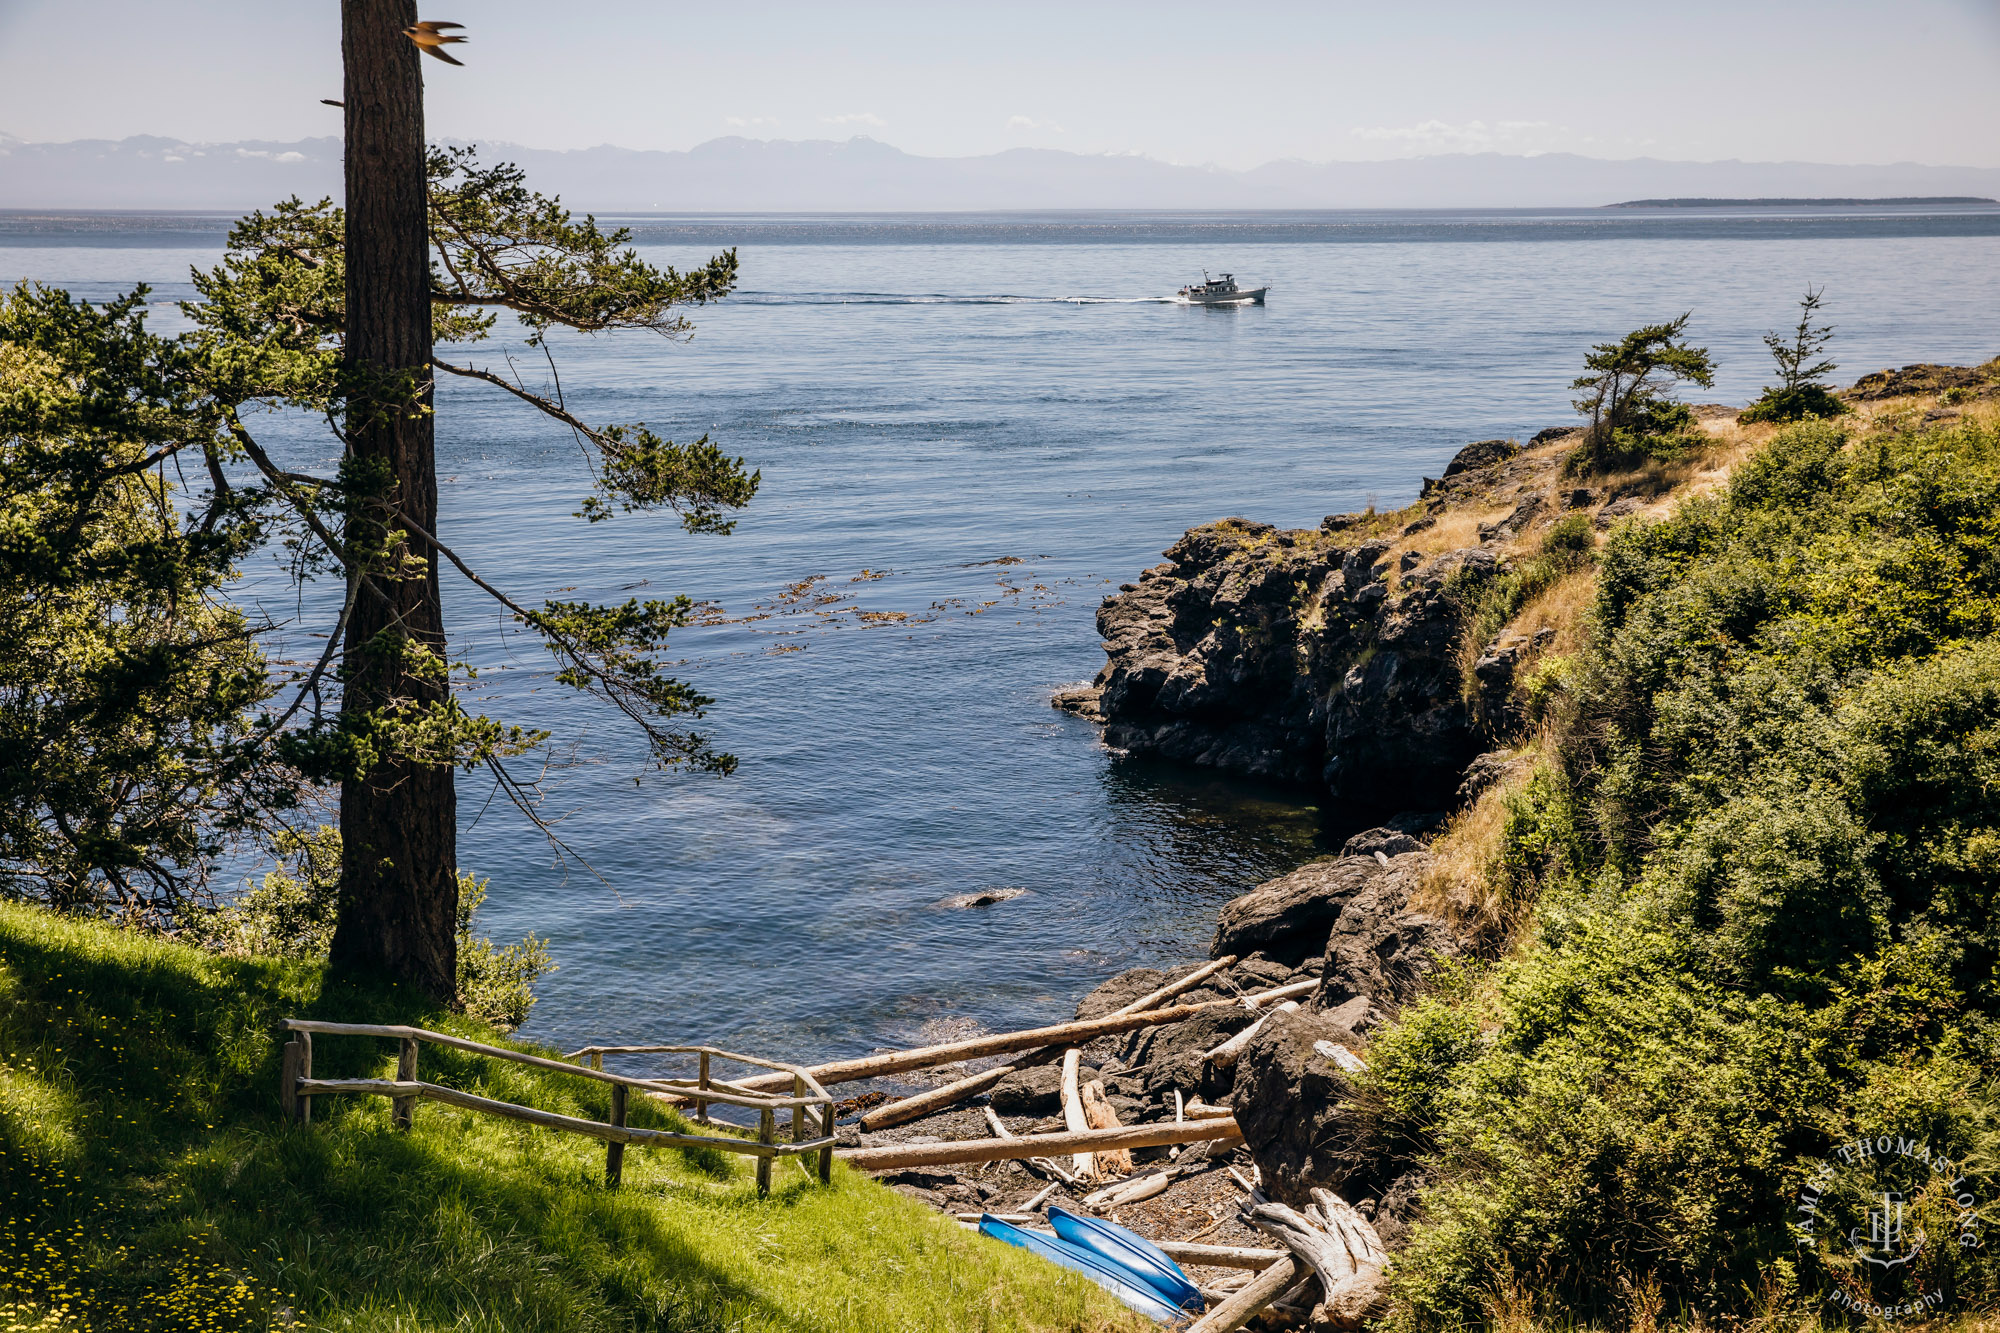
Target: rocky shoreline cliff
column 1336, row 658
column 1331, row 656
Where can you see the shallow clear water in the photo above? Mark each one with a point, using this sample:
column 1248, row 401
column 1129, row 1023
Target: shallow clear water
column 930, row 397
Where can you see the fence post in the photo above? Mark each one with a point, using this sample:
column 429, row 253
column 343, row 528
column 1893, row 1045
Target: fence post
column 826, row 1132
column 305, row 1041
column 767, row 1134
column 798, row 1112
column 614, row 1151
column 404, row 1109
column 288, row 1078
column 700, row 1106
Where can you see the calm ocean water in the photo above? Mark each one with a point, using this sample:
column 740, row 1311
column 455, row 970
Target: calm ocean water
column 969, row 431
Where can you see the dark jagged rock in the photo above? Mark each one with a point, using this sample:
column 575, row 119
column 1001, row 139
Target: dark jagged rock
column 1132, row 984
column 1287, row 1097
column 1380, row 948
column 1479, row 454
column 1388, row 841
column 1921, row 378
column 1282, row 655
column 1286, row 655
column 1292, row 916
column 1299, row 1121
column 1169, row 1057
column 1512, row 526
column 1617, row 509
column 1485, row 771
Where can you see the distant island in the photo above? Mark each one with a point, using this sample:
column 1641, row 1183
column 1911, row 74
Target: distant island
column 1799, row 203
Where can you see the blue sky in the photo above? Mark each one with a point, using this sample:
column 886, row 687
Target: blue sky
column 1239, row 84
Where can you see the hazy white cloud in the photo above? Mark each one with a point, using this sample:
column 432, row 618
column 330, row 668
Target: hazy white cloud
column 750, row 122
column 275, row 157
column 1030, row 123
column 1472, row 136
column 855, row 118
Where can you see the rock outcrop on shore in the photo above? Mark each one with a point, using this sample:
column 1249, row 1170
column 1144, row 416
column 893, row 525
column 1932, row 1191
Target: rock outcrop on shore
column 1281, row 655
column 1327, row 656
column 1330, row 657
column 1347, row 922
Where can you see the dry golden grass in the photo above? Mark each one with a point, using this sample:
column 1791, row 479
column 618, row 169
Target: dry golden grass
column 1458, row 884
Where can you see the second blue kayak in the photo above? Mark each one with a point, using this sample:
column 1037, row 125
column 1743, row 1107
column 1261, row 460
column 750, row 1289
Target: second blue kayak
column 1128, row 1287
column 1130, row 1251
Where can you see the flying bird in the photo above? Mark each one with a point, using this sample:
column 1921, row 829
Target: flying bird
column 430, row 39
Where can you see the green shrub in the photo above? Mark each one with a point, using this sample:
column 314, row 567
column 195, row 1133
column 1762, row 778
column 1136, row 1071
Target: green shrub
column 495, row 985
column 291, row 914
column 1766, row 875
column 1569, row 537
column 1412, row 1068
column 1808, row 400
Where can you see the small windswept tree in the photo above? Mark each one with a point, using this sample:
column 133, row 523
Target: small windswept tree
column 1801, row 366
column 1624, row 393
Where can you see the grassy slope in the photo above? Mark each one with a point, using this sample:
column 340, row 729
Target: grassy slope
column 147, row 1182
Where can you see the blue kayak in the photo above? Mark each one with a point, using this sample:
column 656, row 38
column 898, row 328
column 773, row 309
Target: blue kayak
column 1129, row 1251
column 1127, row 1287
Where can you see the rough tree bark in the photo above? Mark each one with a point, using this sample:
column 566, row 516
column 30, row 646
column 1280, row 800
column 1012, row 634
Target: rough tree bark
column 398, row 824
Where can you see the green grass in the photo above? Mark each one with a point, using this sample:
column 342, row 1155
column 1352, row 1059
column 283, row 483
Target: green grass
column 147, row 1182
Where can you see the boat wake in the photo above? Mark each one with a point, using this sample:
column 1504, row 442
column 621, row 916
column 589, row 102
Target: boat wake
column 938, row 298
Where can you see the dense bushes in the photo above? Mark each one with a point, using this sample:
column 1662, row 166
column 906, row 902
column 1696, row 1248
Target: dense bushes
column 291, row 915
column 1766, row 855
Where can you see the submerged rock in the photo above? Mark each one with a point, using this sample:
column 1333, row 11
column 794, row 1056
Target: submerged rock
column 982, row 898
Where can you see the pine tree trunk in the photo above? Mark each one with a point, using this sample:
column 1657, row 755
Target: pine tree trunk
column 398, row 823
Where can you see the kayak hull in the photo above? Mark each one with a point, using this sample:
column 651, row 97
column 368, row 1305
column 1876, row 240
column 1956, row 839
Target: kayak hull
column 1130, row 1251
column 1134, row 1292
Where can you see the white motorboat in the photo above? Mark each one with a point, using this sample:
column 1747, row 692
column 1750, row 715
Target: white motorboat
column 1221, row 291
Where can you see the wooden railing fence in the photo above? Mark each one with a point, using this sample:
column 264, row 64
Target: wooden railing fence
column 297, row 1087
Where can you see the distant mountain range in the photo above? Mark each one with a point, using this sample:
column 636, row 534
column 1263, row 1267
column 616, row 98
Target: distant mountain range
column 863, row 175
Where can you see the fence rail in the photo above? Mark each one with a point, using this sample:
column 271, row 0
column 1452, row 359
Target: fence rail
column 297, row 1088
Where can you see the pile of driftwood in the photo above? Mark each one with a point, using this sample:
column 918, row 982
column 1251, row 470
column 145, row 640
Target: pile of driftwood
column 1093, row 1130
column 1331, row 1277
column 1329, row 1272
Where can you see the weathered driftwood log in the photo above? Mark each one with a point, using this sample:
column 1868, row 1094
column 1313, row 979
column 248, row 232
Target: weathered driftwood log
column 1359, row 1233
column 1040, row 1199
column 1137, row 1189
column 1345, row 1060
column 1203, row 1111
column 1083, row 1165
column 1225, row 1055
column 1078, row 1033
column 1097, row 1110
column 1282, row 993
column 1322, row 1251
column 1040, row 1165
column 1272, row 1283
column 891, row 1156
column 1219, row 1256
column 1344, row 1253
column 923, row 1103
